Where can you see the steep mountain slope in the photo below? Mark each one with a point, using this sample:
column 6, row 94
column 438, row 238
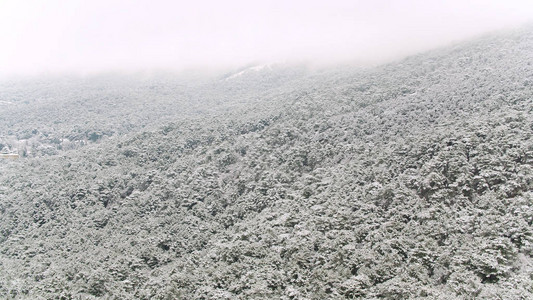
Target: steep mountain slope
column 410, row 180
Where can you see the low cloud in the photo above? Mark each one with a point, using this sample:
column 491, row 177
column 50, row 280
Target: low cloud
column 92, row 36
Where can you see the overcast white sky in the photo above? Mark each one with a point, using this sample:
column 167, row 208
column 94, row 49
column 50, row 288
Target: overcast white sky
column 99, row 35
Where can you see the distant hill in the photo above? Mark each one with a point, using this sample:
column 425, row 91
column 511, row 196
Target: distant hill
column 411, row 180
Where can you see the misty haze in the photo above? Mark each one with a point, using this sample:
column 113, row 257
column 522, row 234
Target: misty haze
column 275, row 150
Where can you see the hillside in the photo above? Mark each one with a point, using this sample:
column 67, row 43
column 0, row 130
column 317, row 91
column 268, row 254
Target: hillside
column 44, row 116
column 409, row 180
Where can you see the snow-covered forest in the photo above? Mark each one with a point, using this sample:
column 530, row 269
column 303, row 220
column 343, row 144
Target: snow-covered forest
column 411, row 180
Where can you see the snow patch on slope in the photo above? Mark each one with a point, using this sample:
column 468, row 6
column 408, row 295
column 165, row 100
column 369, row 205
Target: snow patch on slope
column 249, row 70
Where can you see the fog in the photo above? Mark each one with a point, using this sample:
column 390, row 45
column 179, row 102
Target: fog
column 54, row 36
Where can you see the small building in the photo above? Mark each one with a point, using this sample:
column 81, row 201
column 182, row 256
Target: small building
column 9, row 155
